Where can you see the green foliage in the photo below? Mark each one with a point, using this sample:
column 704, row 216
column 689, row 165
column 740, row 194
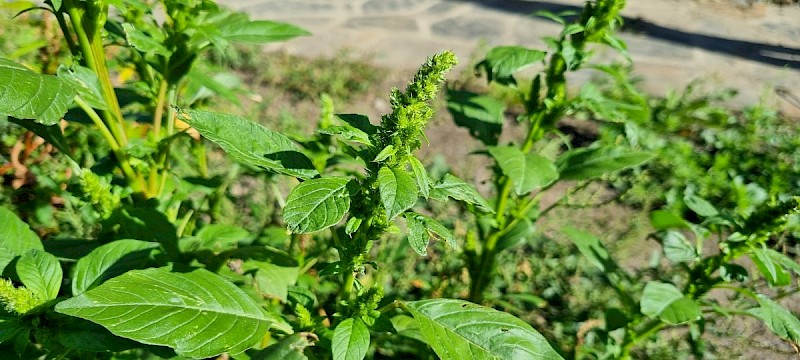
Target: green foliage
column 308, row 246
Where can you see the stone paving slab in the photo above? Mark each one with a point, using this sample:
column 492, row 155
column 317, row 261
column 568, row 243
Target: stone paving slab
column 672, row 42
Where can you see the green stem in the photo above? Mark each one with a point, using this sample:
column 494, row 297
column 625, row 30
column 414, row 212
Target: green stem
column 649, row 329
column 135, row 180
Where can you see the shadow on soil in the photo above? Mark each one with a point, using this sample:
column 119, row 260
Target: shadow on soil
column 764, row 53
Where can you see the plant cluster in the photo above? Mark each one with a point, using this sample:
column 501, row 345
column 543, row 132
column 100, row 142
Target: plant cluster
column 140, row 250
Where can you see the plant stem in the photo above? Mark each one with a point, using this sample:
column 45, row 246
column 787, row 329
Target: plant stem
column 136, row 181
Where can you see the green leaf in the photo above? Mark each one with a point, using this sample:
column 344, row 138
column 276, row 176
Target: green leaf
column 775, row 274
column 700, row 206
column 777, row 318
column 25, row 94
column 388, row 151
column 591, row 247
column 451, row 186
column 273, row 280
column 316, row 204
column 526, row 171
column 108, row 261
column 9, row 327
column 586, row 164
column 677, row 248
column 457, row 329
column 516, row 236
column 783, row 260
column 417, row 237
column 666, row 302
column 200, row 86
column 350, row 340
column 348, row 133
column 288, row 348
column 260, row 31
column 398, row 191
column 197, row 313
column 482, row 115
column 665, row 219
column 406, row 326
column 41, row 273
column 251, row 143
column 421, row 177
column 144, row 42
column 221, row 237
column 16, row 237
column 422, row 228
column 503, row 61
column 86, row 83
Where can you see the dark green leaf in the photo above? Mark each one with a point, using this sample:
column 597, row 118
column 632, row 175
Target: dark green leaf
column 777, row 318
column 198, row 313
column 350, row 340
column 664, row 301
column 457, row 329
column 733, row 272
column 251, row 143
column 316, row 204
column 398, row 191
column 665, row 219
column 288, row 348
column 9, row 327
column 451, row 186
column 108, row 261
column 25, row 94
column 526, row 171
column 359, row 122
column 260, row 31
column 482, row 115
column 52, row 134
column 41, row 273
column 503, row 61
column 585, row 164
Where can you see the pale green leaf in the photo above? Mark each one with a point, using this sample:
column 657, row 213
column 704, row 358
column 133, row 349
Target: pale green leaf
column 316, row 204
column 398, row 191
column 591, row 247
column 388, row 151
column 41, row 273
column 586, row 164
column 777, row 318
column 666, row 302
column 260, row 31
column 25, row 94
column 677, row 248
column 417, row 237
column 350, row 340
column 772, row 270
column 457, row 329
column 108, row 261
column 527, row 172
column 421, row 176
column 197, row 313
column 273, row 280
column 700, row 206
column 665, row 219
column 251, row 143
column 144, row 42
column 453, row 187
column 86, row 84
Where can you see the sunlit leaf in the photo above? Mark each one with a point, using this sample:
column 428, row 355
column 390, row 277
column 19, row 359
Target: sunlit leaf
column 197, row 313
column 316, row 204
column 25, row 94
